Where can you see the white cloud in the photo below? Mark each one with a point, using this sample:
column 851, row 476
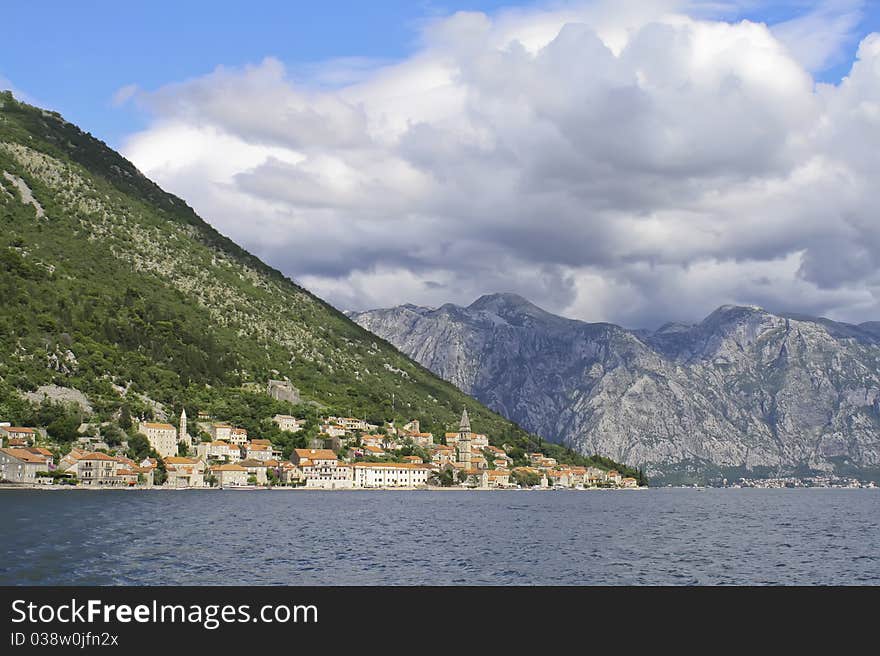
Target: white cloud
column 124, row 94
column 817, row 39
column 617, row 161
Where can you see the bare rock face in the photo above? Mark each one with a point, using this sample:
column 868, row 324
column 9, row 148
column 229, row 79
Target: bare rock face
column 743, row 392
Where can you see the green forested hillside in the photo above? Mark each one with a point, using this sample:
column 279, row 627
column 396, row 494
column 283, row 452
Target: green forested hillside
column 117, row 289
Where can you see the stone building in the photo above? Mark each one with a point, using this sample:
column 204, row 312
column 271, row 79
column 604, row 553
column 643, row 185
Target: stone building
column 282, row 390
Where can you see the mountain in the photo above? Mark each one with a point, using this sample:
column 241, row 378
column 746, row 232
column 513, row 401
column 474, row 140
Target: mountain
column 742, row 393
column 118, row 298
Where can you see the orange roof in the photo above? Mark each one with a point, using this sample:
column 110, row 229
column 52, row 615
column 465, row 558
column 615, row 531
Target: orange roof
column 316, row 454
column 390, row 465
column 262, row 442
column 497, row 473
column 158, row 426
column 228, row 468
column 94, row 455
column 178, row 460
column 25, row 455
column 373, row 449
column 18, row 429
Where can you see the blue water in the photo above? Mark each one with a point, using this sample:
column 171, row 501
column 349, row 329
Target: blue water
column 662, row 536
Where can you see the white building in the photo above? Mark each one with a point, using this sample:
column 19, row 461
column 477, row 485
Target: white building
column 238, row 436
column 350, row 424
column 333, row 430
column 257, row 450
column 20, row 434
column 227, row 475
column 339, row 477
column 288, row 423
column 257, row 469
column 218, row 450
column 221, row 432
column 21, row 465
column 96, row 469
column 162, row 437
column 320, row 458
column 390, row 474
column 184, row 472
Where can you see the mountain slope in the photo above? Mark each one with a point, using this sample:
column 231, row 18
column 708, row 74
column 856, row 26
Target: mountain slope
column 112, row 287
column 743, row 391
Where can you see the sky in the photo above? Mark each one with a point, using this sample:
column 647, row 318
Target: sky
column 634, row 161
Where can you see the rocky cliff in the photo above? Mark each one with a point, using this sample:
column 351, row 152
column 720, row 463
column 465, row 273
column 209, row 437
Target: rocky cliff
column 743, row 392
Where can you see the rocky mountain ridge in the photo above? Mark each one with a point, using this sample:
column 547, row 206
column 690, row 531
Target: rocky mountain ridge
column 744, row 391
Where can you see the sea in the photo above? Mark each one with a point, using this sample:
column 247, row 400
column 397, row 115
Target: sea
column 664, row 536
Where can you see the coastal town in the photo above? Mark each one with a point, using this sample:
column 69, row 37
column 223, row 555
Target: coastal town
column 348, row 453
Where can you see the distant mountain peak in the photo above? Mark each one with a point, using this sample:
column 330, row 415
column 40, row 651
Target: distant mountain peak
column 501, row 299
column 742, row 391
column 512, row 308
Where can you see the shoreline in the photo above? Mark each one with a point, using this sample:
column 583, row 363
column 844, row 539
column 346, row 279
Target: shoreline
column 72, row 488
column 57, row 488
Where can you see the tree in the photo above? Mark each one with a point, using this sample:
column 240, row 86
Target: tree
column 526, row 478
column 463, row 477
column 64, row 429
column 139, row 447
column 112, row 435
column 445, row 478
column 125, row 418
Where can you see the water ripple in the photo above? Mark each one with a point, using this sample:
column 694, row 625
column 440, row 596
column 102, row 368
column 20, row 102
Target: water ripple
column 678, row 537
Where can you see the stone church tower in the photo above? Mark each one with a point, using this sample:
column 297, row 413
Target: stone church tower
column 464, row 440
column 182, row 435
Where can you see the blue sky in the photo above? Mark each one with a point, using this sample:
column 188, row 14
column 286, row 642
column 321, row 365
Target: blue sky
column 78, row 55
column 81, row 53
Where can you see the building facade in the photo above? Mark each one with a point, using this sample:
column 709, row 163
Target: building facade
column 21, row 465
column 162, row 437
column 390, row 474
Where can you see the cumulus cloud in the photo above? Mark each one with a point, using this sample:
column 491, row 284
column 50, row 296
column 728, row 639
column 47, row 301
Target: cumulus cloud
column 624, row 161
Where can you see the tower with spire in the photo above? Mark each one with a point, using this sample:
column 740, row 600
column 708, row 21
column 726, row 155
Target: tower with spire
column 464, row 425
column 182, row 435
column 464, row 440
